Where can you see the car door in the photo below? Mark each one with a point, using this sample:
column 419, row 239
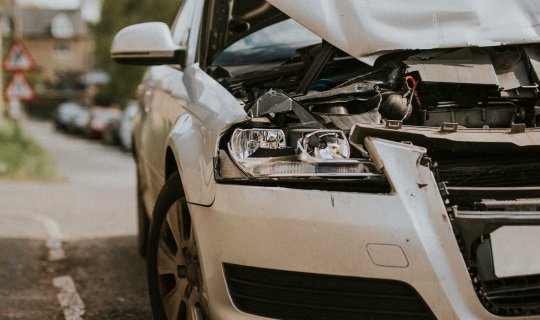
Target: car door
column 160, row 107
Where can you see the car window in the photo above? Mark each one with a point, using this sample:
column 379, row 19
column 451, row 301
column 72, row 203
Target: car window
column 276, row 42
column 183, row 22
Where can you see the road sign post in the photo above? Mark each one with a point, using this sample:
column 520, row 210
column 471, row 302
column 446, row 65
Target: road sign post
column 19, row 88
column 17, row 61
column 18, row 58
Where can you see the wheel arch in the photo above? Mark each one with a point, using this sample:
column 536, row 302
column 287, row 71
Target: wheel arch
column 171, row 165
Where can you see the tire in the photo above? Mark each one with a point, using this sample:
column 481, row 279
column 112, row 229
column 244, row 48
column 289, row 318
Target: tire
column 175, row 281
column 143, row 223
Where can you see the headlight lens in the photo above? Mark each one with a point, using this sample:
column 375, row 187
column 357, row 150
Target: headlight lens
column 324, row 146
column 244, row 143
column 264, row 153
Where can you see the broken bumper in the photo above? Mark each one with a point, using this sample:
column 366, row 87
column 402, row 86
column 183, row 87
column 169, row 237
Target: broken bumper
column 404, row 236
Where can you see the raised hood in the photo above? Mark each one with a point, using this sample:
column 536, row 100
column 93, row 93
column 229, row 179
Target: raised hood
column 366, row 29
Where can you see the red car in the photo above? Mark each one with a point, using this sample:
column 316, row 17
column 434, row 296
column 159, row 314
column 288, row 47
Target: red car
column 99, row 119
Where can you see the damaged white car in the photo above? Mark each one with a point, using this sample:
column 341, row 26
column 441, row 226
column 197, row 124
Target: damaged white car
column 340, row 159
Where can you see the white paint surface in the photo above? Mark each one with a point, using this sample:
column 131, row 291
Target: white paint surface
column 363, row 28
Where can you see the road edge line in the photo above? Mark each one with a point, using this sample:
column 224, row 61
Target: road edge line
column 54, row 237
column 69, row 299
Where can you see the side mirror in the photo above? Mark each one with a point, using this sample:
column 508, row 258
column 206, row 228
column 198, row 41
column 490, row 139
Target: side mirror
column 147, row 44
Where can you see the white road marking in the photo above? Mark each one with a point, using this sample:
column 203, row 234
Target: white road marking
column 69, row 299
column 54, row 236
column 51, row 229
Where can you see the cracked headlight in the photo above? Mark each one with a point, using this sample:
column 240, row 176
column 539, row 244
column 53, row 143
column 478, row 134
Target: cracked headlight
column 264, row 153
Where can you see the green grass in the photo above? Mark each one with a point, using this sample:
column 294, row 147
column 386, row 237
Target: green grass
column 21, row 158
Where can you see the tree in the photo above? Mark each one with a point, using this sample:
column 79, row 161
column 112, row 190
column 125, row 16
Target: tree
column 117, row 14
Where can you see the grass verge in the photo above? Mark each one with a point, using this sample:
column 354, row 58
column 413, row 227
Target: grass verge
column 21, row 158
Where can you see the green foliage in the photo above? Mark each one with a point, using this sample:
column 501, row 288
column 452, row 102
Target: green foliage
column 21, row 157
column 117, row 14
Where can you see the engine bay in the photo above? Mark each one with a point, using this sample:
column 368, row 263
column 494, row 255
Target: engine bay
column 472, row 87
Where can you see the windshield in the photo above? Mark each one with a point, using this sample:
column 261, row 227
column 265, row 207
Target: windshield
column 273, row 43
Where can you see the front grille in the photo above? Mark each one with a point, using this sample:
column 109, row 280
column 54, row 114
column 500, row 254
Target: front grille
column 514, row 170
column 295, row 295
column 512, row 296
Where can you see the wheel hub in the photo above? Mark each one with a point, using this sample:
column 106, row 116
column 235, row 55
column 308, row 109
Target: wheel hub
column 189, row 271
column 192, row 272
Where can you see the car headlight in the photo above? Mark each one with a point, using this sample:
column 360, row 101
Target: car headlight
column 245, row 143
column 261, row 153
column 324, row 146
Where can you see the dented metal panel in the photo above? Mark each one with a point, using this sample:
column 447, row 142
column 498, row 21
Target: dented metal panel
column 363, row 28
column 462, row 140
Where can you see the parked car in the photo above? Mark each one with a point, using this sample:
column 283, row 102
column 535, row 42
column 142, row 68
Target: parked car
column 77, row 124
column 384, row 165
column 111, row 134
column 64, row 114
column 126, row 125
column 98, row 120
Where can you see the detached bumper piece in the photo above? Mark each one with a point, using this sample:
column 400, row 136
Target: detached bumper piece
column 490, row 182
column 295, row 295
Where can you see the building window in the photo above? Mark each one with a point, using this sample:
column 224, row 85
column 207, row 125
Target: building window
column 61, row 48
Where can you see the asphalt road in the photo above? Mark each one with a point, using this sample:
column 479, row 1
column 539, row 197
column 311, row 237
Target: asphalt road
column 81, row 229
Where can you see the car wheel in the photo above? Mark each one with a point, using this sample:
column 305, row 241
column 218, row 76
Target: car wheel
column 175, row 280
column 143, row 223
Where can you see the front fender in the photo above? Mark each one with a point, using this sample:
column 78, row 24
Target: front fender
column 194, row 137
column 194, row 146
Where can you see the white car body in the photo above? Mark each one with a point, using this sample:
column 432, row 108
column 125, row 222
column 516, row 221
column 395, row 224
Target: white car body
column 366, row 29
column 406, row 234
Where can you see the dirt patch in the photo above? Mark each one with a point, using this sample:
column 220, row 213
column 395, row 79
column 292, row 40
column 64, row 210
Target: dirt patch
column 26, row 291
column 110, row 277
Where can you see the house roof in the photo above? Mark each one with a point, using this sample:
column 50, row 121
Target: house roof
column 37, row 22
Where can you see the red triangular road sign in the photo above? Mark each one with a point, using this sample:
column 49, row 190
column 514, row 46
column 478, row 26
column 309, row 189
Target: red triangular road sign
column 18, row 58
column 19, row 88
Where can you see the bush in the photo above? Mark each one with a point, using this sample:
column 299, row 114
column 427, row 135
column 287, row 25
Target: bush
column 21, row 157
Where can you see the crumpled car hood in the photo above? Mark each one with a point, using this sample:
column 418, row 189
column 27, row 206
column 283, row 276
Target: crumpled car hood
column 366, row 29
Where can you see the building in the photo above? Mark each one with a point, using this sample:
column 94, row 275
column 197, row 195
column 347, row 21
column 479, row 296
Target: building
column 58, row 37
column 59, row 41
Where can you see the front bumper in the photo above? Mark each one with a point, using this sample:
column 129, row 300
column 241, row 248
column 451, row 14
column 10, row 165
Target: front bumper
column 404, row 236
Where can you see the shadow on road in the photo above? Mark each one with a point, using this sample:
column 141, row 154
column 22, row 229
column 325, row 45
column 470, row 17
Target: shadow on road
column 110, row 276
column 26, row 291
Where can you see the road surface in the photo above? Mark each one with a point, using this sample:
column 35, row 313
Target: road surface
column 79, row 231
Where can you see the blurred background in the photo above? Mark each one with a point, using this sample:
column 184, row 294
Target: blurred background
column 56, row 66
column 67, row 179
column 69, row 40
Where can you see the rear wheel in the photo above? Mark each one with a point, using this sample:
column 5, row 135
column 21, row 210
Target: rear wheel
column 175, row 280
